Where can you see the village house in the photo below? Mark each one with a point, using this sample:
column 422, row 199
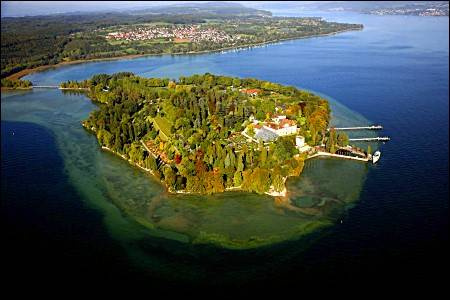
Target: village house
column 250, row 92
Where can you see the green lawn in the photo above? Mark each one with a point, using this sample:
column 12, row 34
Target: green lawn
column 163, row 125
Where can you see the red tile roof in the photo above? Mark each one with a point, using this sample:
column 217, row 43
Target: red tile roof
column 287, row 122
column 282, row 124
column 251, row 91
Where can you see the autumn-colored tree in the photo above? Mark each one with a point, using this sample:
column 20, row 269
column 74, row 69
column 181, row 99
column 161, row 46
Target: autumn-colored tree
column 261, row 180
column 172, row 85
column 250, row 130
column 237, row 179
column 194, row 184
column 342, row 139
column 169, row 176
column 177, row 158
column 214, row 182
column 247, row 180
column 262, row 154
column 150, row 163
column 278, row 182
column 200, row 168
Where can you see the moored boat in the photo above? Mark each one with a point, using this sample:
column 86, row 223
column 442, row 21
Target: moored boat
column 376, row 156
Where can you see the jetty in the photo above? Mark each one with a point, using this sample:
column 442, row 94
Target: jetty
column 372, row 139
column 371, row 127
column 46, row 86
column 321, row 153
column 57, row 87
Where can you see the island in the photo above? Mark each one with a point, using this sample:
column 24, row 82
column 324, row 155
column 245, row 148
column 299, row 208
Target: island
column 31, row 44
column 208, row 133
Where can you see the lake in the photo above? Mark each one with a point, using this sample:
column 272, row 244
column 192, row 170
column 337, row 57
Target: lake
column 67, row 205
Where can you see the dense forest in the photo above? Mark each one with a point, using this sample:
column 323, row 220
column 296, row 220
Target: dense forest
column 188, row 131
column 29, row 42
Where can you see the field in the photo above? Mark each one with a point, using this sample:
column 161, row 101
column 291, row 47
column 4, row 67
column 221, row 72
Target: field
column 177, row 40
column 163, row 125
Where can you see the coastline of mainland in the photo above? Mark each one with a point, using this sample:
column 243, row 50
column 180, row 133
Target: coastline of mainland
column 25, row 72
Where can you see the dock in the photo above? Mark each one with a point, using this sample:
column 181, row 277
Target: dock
column 320, row 153
column 373, row 139
column 46, row 86
column 56, row 87
column 372, row 127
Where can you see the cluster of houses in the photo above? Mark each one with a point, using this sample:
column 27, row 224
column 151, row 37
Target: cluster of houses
column 192, row 33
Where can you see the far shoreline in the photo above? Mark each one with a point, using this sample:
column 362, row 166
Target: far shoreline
column 25, row 72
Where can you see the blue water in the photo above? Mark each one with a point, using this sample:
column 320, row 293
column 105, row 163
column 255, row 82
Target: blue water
column 394, row 72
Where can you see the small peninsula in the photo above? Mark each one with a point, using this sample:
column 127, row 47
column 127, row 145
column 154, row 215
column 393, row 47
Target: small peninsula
column 8, row 84
column 208, row 134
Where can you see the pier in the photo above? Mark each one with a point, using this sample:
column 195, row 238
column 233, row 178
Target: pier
column 46, row 86
column 372, row 127
column 56, row 87
column 321, row 153
column 374, row 139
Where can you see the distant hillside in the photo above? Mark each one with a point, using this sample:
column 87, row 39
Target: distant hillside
column 373, row 5
column 421, row 8
column 208, row 8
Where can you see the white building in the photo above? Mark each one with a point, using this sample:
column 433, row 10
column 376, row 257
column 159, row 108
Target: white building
column 299, row 141
column 300, row 144
column 282, row 126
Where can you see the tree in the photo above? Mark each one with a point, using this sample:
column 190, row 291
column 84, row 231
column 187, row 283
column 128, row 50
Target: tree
column 169, row 176
column 214, row 183
column 278, row 182
column 136, row 153
column 284, row 149
column 250, row 130
column 331, row 141
column 237, row 179
column 261, row 180
column 150, row 163
column 342, row 139
column 262, row 154
column 107, row 138
column 100, row 134
column 240, row 162
column 194, row 184
column 277, row 179
column 247, row 180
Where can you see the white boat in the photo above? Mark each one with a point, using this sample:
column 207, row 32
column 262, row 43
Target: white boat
column 376, row 156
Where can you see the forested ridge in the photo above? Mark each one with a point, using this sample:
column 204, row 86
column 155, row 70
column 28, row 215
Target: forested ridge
column 192, row 126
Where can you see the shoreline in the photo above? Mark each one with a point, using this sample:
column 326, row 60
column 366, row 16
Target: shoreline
column 5, row 89
column 326, row 154
column 26, row 72
column 271, row 191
